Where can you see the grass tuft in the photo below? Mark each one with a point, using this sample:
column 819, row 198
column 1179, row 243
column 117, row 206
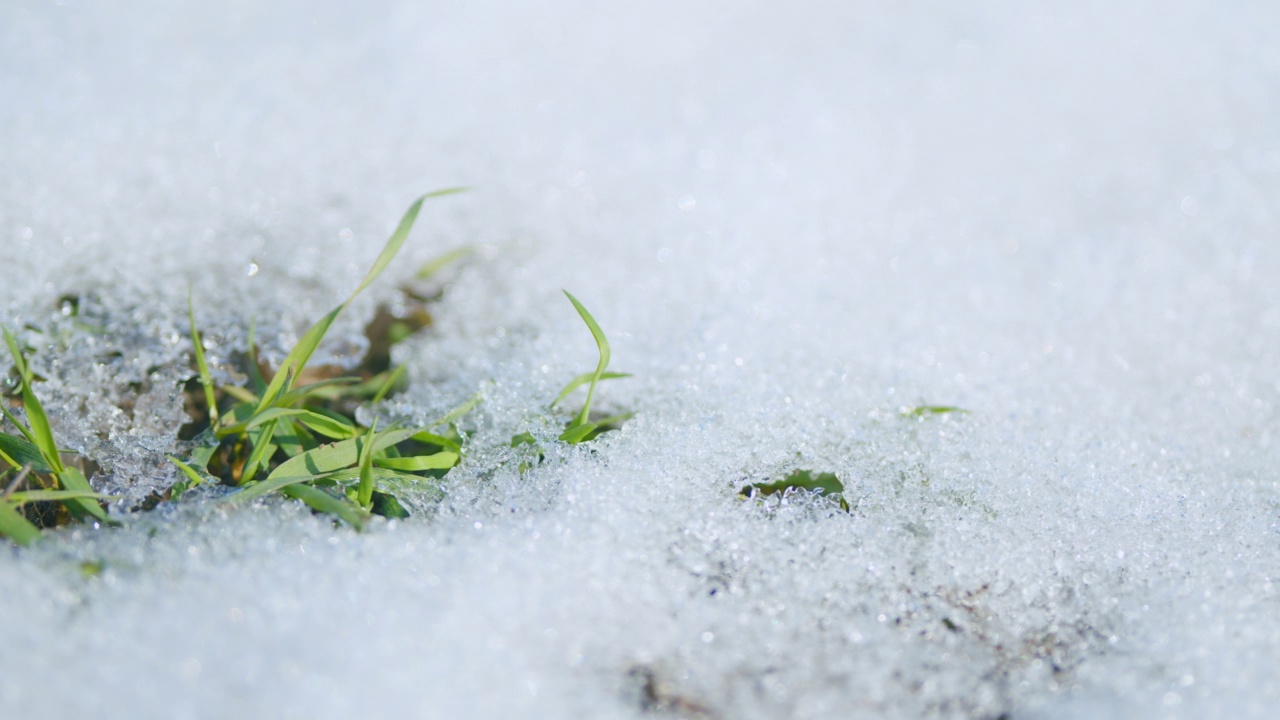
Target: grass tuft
column 581, row 428
column 292, row 430
column 299, row 427
column 40, row 489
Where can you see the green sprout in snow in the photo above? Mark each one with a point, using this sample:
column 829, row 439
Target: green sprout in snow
column 825, row 484
column 584, row 427
column 923, row 411
column 33, row 473
column 284, row 435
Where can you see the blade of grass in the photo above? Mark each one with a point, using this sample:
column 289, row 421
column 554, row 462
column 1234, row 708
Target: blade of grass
column 255, row 371
column 17, row 452
column 602, row 344
column 260, row 488
column 22, row 497
column 330, row 425
column 22, row 428
column 239, row 393
column 201, row 456
column 19, row 360
column 257, row 420
column 324, row 389
column 583, row 379
column 327, row 424
column 439, row 441
column 392, row 379
column 436, row 264
column 263, row 449
column 398, row 237
column 322, row 501
column 383, row 478
column 298, row 357
column 364, row 493
column 39, row 422
column 336, row 456
column 458, row 413
column 924, row 410
column 206, row 379
column 15, row 527
column 73, row 479
column 194, row 478
column 615, row 419
column 437, row 461
column 292, row 438
column 577, row 433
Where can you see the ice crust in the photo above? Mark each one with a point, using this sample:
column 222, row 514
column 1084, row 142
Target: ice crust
column 793, row 220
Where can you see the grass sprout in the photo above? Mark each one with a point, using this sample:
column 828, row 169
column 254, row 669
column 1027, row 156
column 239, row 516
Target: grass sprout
column 55, row 492
column 297, row 426
column 582, row 427
column 822, row 483
column 292, row 430
column 923, row 411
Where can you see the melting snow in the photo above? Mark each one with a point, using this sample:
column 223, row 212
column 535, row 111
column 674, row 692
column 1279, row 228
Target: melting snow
column 793, row 220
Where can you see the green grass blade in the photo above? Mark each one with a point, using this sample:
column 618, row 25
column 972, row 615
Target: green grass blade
column 201, row 456
column 257, row 420
column 926, row 410
column 393, row 378
column 336, row 456
column 202, row 366
column 615, row 419
column 73, row 479
column 329, row 425
column 306, row 347
column 396, row 241
column 439, row 441
column 19, row 360
column 255, row 372
column 15, row 527
column 575, row 434
column 241, row 394
column 255, row 490
column 21, row 427
column 385, row 479
column 297, row 359
column 18, row 452
column 435, row 265
column 193, row 476
column 364, row 492
column 603, row 344
column 22, row 497
column 330, row 389
column 459, row 412
column 437, row 461
column 40, row 429
column 583, row 379
column 41, row 433
column 263, row 449
column 292, row 438
column 240, row 412
column 322, row 501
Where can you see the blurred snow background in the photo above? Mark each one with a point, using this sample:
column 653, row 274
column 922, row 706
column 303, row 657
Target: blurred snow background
column 792, row 219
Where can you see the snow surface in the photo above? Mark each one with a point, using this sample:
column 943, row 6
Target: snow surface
column 792, row 219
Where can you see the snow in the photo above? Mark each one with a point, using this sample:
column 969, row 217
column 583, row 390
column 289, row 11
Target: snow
column 792, row 219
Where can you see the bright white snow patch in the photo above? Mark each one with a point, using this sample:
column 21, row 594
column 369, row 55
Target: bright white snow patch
column 792, row 219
